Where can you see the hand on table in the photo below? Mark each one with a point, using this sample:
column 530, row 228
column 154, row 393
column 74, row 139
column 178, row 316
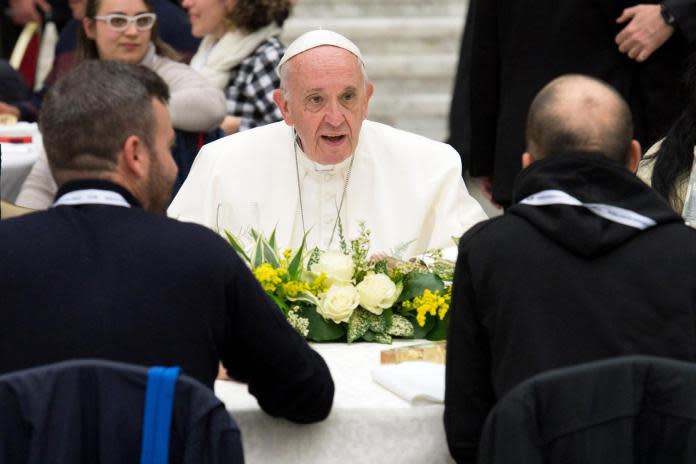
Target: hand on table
column 645, row 32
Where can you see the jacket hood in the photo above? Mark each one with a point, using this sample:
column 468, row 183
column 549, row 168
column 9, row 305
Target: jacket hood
column 587, row 203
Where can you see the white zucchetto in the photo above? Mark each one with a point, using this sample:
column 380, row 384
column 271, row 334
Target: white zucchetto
column 318, row 38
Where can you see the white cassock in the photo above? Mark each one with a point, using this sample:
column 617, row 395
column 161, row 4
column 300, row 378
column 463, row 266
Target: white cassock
column 407, row 189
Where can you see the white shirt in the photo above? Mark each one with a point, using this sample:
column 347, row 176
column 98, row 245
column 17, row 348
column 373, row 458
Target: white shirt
column 407, row 189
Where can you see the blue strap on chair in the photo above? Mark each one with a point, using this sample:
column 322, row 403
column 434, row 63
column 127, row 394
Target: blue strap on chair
column 159, row 399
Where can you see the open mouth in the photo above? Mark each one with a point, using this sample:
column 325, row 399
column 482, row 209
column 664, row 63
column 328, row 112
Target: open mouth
column 333, row 138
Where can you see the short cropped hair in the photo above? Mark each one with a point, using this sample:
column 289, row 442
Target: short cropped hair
column 587, row 123
column 252, row 15
column 88, row 114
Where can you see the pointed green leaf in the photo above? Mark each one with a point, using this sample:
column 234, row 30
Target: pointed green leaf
column 295, row 266
column 270, row 254
column 272, row 240
column 281, row 304
column 237, row 246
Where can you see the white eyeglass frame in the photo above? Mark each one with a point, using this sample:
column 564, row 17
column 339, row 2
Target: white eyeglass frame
column 129, row 20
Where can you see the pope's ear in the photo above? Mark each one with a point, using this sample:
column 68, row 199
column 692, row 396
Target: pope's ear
column 282, row 105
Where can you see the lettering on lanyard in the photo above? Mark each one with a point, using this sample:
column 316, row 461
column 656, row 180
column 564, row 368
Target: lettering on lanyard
column 609, row 212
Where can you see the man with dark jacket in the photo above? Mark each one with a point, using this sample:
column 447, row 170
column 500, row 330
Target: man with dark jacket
column 514, row 47
column 588, row 263
column 99, row 275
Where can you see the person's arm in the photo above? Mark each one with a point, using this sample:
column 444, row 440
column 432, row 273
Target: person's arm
column 286, row 376
column 468, row 391
column 39, row 188
column 195, row 104
column 684, row 12
column 644, row 32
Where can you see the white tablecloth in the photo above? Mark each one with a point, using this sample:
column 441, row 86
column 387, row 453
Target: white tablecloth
column 368, row 424
column 17, row 159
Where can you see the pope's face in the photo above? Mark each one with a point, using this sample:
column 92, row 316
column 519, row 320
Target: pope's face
column 325, row 100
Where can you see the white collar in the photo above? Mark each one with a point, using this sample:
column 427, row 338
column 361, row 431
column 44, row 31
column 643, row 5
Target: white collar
column 92, row 197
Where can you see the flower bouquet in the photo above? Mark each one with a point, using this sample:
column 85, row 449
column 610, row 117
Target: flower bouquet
column 347, row 296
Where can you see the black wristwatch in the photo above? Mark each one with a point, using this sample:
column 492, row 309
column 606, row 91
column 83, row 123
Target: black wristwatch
column 667, row 15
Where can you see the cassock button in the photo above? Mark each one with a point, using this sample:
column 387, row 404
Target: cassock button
column 328, row 177
column 328, row 196
column 327, row 220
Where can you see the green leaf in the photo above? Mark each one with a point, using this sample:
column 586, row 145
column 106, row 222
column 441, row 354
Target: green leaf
column 381, row 267
column 378, row 324
column 418, row 331
column 383, row 338
column 358, row 324
column 307, row 297
column 295, row 266
column 377, row 337
column 417, row 282
column 237, row 246
column 264, row 253
column 281, row 304
column 439, row 331
column 400, row 327
column 272, row 240
column 321, row 330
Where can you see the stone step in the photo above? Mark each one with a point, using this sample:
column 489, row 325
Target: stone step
column 382, row 35
column 389, row 8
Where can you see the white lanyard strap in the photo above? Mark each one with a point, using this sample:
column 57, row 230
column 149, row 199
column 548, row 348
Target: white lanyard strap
column 92, row 197
column 612, row 213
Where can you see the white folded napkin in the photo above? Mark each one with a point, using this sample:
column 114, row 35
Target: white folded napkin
column 417, row 382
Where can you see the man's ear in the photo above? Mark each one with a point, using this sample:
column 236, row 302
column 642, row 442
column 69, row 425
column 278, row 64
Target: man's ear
column 135, row 157
column 282, row 105
column 527, row 159
column 634, row 155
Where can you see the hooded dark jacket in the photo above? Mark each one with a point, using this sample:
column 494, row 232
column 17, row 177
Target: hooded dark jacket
column 547, row 286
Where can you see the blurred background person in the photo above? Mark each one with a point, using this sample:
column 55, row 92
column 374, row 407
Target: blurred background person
column 126, row 31
column 239, row 54
column 668, row 163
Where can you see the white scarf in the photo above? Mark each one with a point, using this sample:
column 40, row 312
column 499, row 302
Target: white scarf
column 214, row 60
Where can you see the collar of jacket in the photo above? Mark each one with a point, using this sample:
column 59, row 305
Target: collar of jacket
column 100, row 184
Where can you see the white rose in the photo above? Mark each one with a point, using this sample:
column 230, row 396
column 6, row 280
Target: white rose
column 377, row 293
column 339, row 303
column 337, row 267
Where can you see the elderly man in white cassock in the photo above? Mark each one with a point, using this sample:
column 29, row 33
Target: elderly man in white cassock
column 326, row 168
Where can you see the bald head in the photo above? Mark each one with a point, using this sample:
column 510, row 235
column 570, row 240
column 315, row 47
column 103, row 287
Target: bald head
column 576, row 113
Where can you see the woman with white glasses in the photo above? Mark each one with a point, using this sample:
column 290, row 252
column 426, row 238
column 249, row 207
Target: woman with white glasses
column 126, row 30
